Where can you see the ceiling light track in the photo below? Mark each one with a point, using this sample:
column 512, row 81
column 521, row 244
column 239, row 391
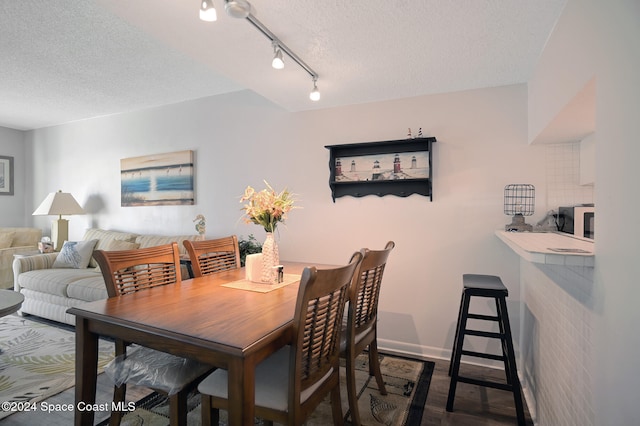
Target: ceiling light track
column 242, row 9
column 272, row 37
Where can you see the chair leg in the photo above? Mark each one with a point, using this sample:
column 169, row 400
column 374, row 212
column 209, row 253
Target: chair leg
column 178, row 409
column 336, row 406
column 374, row 366
column 119, row 393
column 210, row 416
column 352, row 395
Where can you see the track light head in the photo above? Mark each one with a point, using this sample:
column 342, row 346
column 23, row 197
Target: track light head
column 237, row 8
column 277, row 62
column 208, row 11
column 315, row 93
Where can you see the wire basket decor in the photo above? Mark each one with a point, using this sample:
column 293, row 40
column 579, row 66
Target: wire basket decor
column 519, row 199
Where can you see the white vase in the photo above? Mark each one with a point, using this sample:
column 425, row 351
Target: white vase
column 270, row 258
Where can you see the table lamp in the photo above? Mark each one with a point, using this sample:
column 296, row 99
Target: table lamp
column 59, row 203
column 519, row 201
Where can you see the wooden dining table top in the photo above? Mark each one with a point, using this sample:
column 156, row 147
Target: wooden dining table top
column 202, row 309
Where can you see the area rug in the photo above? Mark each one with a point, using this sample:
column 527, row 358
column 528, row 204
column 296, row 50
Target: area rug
column 38, row 359
column 407, row 382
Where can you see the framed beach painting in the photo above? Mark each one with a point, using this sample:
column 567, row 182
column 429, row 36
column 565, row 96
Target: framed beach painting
column 6, row 175
column 158, row 180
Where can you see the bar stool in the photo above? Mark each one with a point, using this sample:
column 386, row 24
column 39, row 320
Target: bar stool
column 485, row 286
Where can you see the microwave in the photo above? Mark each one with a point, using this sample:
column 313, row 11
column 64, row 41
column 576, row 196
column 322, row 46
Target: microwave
column 577, row 220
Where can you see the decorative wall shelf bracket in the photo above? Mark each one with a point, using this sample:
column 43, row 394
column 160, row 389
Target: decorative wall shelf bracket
column 401, row 168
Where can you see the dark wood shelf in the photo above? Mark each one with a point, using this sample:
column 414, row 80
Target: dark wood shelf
column 400, row 168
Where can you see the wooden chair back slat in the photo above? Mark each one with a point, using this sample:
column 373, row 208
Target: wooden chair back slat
column 212, row 256
column 318, row 322
column 361, row 324
column 126, row 271
column 365, row 293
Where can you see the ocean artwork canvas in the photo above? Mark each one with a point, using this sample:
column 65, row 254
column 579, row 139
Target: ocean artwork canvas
column 158, row 180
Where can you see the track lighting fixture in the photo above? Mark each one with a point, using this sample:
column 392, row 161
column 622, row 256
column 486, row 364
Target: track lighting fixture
column 277, row 62
column 315, row 93
column 237, row 8
column 243, row 9
column 208, row 11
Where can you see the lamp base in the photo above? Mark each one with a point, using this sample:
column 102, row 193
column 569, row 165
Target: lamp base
column 59, row 233
column 518, row 225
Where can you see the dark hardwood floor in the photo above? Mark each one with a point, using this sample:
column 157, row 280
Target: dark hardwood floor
column 474, row 405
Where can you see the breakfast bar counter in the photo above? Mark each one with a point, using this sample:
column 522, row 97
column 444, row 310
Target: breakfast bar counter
column 550, row 248
column 557, row 314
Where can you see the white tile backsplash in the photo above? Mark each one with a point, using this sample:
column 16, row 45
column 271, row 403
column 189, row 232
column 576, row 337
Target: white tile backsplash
column 563, row 176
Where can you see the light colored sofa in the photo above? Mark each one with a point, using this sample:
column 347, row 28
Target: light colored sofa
column 49, row 292
column 15, row 241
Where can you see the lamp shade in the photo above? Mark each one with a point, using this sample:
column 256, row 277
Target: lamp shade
column 58, row 203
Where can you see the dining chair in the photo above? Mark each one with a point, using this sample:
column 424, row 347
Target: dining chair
column 211, row 256
column 360, row 329
column 290, row 383
column 128, row 271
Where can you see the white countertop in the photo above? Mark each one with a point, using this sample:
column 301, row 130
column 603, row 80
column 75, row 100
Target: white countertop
column 550, row 247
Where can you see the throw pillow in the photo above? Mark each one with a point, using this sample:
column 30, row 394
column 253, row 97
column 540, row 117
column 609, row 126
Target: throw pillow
column 114, row 245
column 75, row 254
column 6, row 238
column 121, row 245
column 104, row 237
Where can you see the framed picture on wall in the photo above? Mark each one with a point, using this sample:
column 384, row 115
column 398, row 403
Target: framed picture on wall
column 6, row 175
column 398, row 167
column 157, row 180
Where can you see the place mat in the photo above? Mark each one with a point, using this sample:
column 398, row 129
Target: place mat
column 260, row 287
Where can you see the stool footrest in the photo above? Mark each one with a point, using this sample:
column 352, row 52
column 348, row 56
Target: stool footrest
column 495, row 385
column 489, row 334
column 483, row 317
column 483, row 355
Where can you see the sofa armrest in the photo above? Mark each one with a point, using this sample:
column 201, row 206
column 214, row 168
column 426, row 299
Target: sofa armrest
column 31, row 263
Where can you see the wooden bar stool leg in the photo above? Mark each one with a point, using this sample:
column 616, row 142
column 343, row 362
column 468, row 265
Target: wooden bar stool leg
column 456, row 335
column 457, row 351
column 503, row 341
column 510, row 360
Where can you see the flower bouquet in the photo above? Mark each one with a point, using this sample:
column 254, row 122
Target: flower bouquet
column 267, row 208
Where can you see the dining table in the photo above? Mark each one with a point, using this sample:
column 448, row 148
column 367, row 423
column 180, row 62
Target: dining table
column 209, row 319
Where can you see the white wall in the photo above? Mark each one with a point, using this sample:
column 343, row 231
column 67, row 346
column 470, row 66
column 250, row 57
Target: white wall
column 241, row 139
column 602, row 39
column 12, row 207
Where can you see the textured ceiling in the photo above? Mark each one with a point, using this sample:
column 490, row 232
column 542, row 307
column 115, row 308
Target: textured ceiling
column 68, row 60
